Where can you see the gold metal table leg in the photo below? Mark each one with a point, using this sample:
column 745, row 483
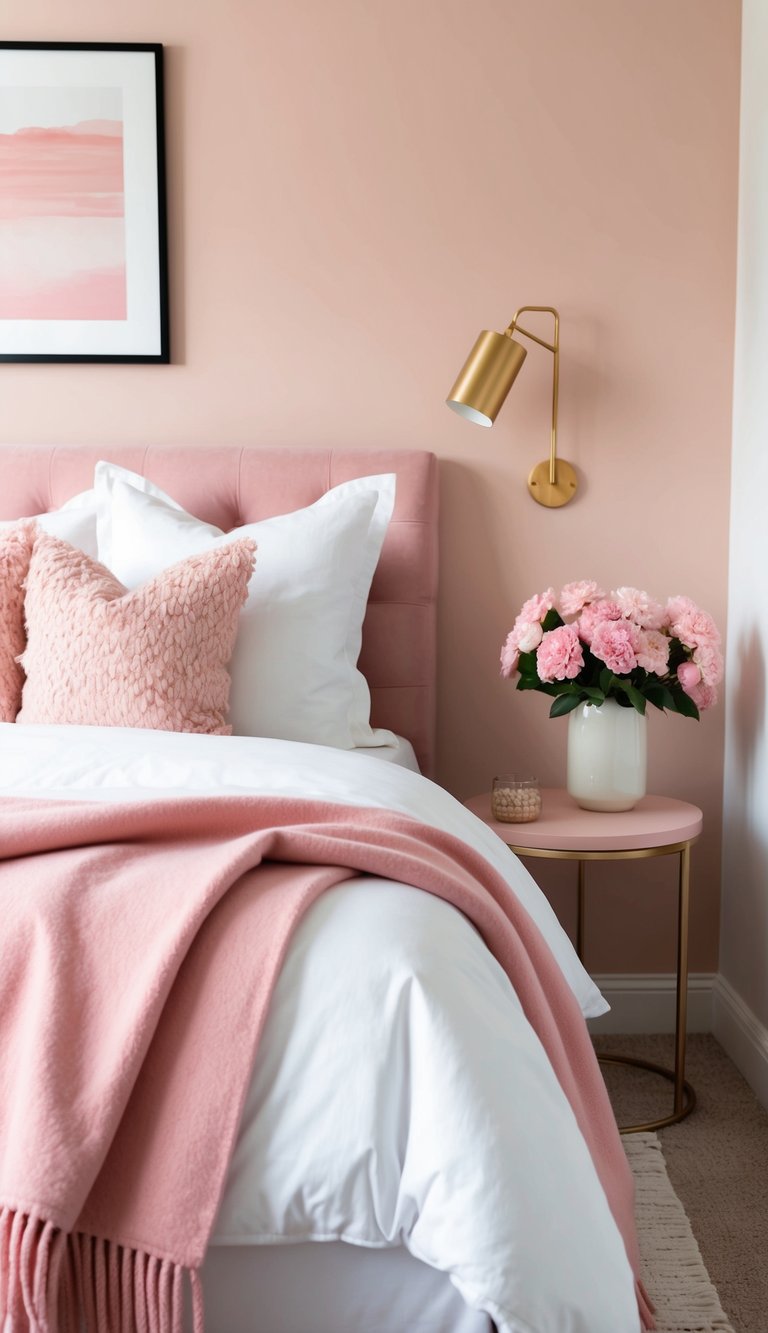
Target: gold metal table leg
column 688, row 1093
column 681, row 1015
column 581, row 909
column 684, row 1095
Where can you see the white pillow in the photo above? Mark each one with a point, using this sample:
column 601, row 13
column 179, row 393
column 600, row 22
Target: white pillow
column 75, row 522
column 294, row 669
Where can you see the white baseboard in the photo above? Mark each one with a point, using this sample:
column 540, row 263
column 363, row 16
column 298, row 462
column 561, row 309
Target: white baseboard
column 645, row 1002
column 741, row 1034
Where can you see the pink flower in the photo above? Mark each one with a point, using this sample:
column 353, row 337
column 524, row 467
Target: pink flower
column 522, row 638
column 510, row 655
column 559, row 655
column 576, row 595
column 689, row 676
column 704, row 696
column 709, row 660
column 640, row 608
column 526, row 632
column 692, row 626
column 652, row 651
column 614, row 642
column 593, row 615
column 528, row 636
column 537, row 606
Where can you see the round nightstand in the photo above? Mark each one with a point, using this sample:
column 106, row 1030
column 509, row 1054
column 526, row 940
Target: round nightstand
column 658, row 826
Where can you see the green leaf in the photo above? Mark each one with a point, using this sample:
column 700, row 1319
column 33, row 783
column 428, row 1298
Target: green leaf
column 660, row 697
column 677, row 654
column 526, row 665
column 591, row 694
column 654, row 696
column 607, row 679
column 565, row 703
column 636, row 699
column 552, row 620
column 684, row 704
column 533, row 683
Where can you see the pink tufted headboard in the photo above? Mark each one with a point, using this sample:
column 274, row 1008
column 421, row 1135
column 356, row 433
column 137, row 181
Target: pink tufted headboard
column 227, row 485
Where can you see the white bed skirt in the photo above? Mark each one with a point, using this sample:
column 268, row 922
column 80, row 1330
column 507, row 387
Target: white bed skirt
column 330, row 1287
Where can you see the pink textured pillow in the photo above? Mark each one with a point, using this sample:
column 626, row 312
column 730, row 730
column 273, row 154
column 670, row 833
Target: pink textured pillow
column 155, row 657
column 15, row 551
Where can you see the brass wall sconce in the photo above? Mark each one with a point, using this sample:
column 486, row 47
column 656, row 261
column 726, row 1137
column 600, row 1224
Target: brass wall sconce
column 484, row 382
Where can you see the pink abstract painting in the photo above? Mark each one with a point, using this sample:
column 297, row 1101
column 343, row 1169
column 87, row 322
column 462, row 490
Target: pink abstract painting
column 62, row 209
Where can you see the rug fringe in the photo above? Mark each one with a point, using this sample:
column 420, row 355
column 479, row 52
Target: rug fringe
column 52, row 1281
column 684, row 1298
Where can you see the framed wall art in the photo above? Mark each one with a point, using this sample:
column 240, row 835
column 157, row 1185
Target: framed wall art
column 83, row 247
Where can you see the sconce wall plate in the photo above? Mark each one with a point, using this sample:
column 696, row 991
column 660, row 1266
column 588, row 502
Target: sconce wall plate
column 553, row 494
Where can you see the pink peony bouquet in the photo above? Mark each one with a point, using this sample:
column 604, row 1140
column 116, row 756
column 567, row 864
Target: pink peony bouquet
column 585, row 646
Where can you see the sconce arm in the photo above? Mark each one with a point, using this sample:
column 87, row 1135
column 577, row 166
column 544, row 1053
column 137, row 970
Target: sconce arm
column 550, row 310
column 553, row 347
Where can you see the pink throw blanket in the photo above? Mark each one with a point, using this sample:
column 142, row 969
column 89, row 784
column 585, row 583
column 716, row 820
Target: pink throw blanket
column 140, row 945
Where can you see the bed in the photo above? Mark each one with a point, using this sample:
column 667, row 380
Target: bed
column 397, row 1129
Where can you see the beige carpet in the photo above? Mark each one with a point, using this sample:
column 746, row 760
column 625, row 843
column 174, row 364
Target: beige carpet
column 673, row 1270
column 717, row 1161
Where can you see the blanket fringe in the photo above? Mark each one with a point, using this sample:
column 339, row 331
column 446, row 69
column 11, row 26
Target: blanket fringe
column 52, row 1281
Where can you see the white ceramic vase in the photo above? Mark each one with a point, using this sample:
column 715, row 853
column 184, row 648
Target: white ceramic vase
column 606, row 756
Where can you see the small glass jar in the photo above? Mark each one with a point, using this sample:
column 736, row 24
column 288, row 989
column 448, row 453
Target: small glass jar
column 515, row 800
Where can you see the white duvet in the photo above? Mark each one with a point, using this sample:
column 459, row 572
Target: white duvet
column 399, row 1094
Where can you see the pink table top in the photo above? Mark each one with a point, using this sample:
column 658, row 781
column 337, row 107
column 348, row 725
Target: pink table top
column 656, row 821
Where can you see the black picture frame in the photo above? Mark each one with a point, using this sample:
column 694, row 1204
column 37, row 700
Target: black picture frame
column 83, row 221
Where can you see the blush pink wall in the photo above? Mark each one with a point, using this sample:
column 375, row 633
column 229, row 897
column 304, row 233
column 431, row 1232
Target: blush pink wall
column 355, row 190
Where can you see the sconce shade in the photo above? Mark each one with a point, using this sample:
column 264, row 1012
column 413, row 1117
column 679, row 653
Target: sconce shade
column 486, row 377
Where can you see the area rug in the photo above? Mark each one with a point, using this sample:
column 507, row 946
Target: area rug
column 672, row 1267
